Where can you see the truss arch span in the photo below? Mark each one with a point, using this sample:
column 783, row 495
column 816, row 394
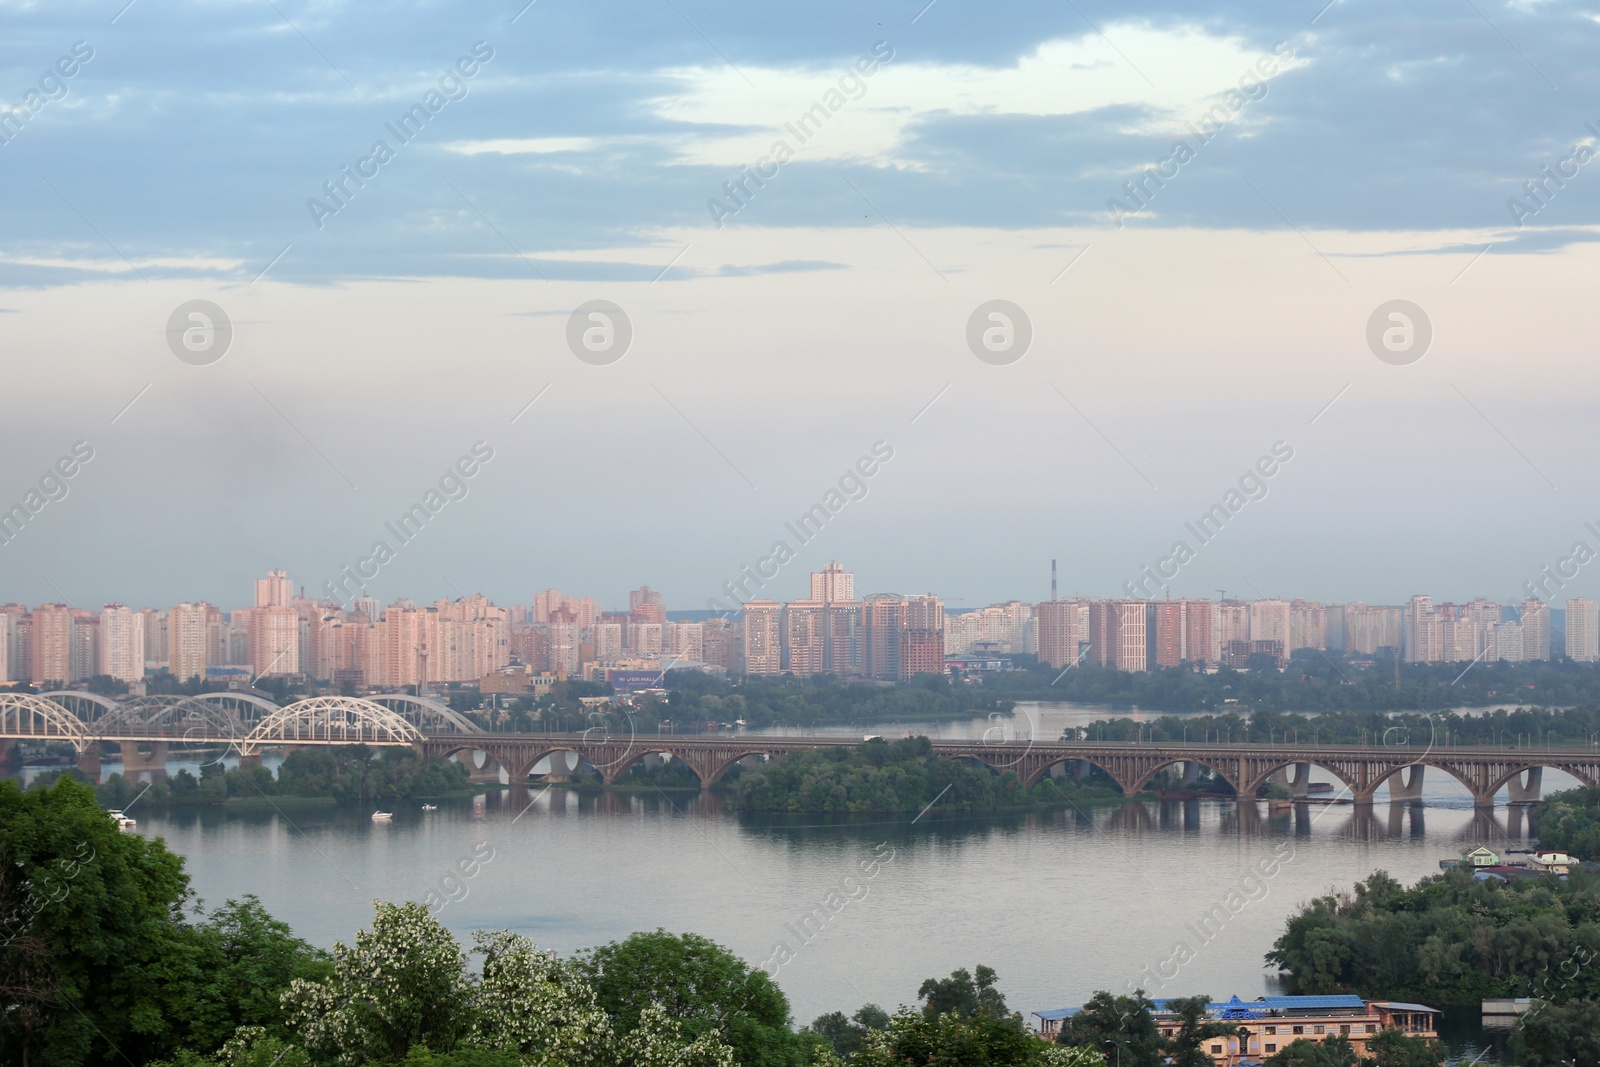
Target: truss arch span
column 172, row 714
column 429, row 716
column 332, row 721
column 24, row 716
column 88, row 707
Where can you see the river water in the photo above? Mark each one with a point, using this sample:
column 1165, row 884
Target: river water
column 1178, row 897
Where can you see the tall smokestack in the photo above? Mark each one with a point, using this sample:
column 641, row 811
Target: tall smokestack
column 1052, row 579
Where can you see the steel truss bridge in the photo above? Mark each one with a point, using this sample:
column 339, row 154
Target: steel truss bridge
column 250, row 723
column 247, row 722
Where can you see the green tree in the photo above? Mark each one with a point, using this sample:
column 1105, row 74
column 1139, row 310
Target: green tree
column 1335, row 1052
column 1120, row 1027
column 1555, row 1035
column 93, row 935
column 1394, row 1048
column 845, row 1035
column 246, row 961
column 963, row 994
column 1194, row 1029
column 701, row 986
column 913, row 1039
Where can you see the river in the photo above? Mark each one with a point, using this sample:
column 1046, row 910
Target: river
column 1060, row 903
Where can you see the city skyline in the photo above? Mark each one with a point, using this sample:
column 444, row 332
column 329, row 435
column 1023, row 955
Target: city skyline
column 884, row 636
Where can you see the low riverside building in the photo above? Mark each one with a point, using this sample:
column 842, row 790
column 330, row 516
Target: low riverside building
column 1551, row 861
column 1268, row 1025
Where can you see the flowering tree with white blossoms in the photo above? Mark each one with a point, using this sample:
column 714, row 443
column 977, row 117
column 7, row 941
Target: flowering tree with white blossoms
column 533, row 1002
column 404, row 984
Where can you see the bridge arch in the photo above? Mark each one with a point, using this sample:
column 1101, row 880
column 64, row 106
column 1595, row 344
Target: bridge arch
column 162, row 713
column 1265, row 776
column 429, row 716
column 87, row 707
column 1149, row 774
column 259, row 707
column 331, row 721
column 1043, row 769
column 1515, row 775
column 711, row 777
column 24, row 715
column 614, row 772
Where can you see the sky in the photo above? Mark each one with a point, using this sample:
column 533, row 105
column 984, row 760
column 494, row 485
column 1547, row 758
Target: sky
column 797, row 218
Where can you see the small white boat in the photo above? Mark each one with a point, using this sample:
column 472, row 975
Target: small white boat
column 125, row 824
column 430, row 807
column 382, row 816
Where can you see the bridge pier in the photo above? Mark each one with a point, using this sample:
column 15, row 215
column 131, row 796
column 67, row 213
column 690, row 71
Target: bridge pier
column 8, row 753
column 1191, row 772
column 136, row 763
column 1405, row 785
column 1521, row 792
column 249, row 759
column 89, row 762
column 1299, row 786
column 485, row 773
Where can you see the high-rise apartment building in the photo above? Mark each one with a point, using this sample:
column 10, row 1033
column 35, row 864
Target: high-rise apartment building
column 1199, row 632
column 1164, row 630
column 274, row 591
column 719, row 644
column 1583, row 630
column 832, row 583
column 804, row 637
column 51, row 645
column 1058, row 633
column 762, row 621
column 1270, row 621
column 1424, row 635
column 85, row 660
column 156, row 655
column 1308, row 625
column 122, row 654
column 1232, row 625
column 1535, row 629
column 1130, row 641
column 644, row 606
column 187, row 632
column 274, row 640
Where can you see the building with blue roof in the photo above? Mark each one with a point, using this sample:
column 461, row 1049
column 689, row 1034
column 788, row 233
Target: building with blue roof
column 1267, row 1025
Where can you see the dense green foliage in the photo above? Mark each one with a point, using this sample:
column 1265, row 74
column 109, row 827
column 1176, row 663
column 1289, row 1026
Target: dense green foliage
column 1450, row 938
column 1123, row 1028
column 97, row 954
column 1569, row 820
column 1527, row 727
column 963, row 1021
column 964, row 994
column 884, row 776
column 1312, row 681
column 353, row 773
column 1554, row 1035
column 847, row 1034
column 696, row 698
column 701, row 986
